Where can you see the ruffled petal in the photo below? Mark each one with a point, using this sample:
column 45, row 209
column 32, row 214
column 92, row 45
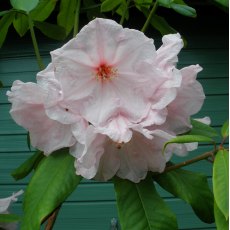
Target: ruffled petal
column 46, row 134
column 167, row 53
column 118, row 130
column 4, row 209
column 87, row 164
column 5, row 202
column 189, row 99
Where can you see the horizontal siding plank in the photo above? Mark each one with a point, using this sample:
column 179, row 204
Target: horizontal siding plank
column 87, row 191
column 186, row 57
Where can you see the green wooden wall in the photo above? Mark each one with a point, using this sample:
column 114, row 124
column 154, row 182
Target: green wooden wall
column 93, row 205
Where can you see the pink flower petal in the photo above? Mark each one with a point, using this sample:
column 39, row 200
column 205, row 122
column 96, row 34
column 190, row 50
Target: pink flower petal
column 46, row 134
column 5, row 202
column 167, row 53
column 190, row 98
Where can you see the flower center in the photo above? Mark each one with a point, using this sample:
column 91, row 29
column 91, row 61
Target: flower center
column 105, row 72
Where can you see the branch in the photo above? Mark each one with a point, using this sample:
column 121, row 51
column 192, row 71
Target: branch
column 52, row 218
column 191, row 161
column 150, row 17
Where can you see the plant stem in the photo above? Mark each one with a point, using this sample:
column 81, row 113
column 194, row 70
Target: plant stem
column 124, row 12
column 52, row 219
column 76, row 21
column 191, row 161
column 144, row 28
column 35, row 44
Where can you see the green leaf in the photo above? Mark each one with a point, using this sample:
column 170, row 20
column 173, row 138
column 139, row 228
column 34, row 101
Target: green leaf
column 53, row 181
column 28, row 141
column 123, row 7
column 199, row 128
column 51, row 30
column 4, row 12
column 184, row 10
column 92, row 9
column 66, row 14
column 225, row 129
column 188, row 139
column 9, row 218
column 140, row 206
column 5, row 23
column 159, row 23
column 109, row 5
column 221, row 222
column 162, row 25
column 220, row 181
column 224, row 3
column 192, row 188
column 1, row 84
column 21, row 24
column 143, row 3
column 165, row 3
column 43, row 10
column 26, row 167
column 181, row 2
column 25, row 5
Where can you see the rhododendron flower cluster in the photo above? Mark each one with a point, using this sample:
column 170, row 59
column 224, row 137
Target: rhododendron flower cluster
column 114, row 99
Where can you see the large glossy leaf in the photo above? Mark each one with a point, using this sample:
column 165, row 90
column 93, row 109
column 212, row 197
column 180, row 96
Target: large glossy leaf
column 5, row 23
column 192, row 188
column 51, row 30
column 21, row 24
column 53, row 181
column 26, row 167
column 221, row 222
column 25, row 5
column 9, row 218
column 43, row 10
column 225, row 129
column 140, row 207
column 199, row 128
column 220, row 180
column 66, row 14
column 109, row 5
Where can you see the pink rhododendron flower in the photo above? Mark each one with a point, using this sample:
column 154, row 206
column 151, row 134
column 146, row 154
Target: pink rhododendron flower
column 113, row 99
column 4, row 209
